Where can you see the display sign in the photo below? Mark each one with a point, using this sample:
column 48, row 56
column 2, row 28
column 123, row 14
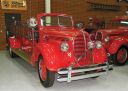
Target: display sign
column 14, row 4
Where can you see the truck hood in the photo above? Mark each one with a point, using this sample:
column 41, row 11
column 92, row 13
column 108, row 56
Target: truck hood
column 63, row 32
column 114, row 31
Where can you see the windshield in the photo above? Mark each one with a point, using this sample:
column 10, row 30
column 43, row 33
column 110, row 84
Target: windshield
column 56, row 21
column 120, row 23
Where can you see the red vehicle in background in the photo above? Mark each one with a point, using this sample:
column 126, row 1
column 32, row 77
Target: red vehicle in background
column 57, row 47
column 115, row 39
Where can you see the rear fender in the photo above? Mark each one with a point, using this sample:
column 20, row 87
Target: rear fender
column 14, row 43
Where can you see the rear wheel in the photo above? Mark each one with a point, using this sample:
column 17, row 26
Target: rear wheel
column 11, row 53
column 46, row 77
column 121, row 57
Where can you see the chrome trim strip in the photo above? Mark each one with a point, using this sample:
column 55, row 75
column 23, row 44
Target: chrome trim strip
column 82, row 70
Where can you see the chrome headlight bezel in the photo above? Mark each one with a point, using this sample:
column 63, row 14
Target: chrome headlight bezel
column 91, row 45
column 98, row 44
column 64, row 47
column 107, row 39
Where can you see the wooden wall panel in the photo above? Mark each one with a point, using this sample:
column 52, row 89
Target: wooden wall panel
column 80, row 10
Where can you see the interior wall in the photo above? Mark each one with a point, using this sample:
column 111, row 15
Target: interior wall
column 80, row 9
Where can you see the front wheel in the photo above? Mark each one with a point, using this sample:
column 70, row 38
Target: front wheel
column 121, row 57
column 46, row 77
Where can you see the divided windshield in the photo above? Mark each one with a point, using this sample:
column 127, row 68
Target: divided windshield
column 65, row 21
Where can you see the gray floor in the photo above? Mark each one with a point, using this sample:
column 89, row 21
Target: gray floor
column 17, row 75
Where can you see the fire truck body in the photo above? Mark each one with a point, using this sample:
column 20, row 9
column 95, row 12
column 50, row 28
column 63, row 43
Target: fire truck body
column 57, row 47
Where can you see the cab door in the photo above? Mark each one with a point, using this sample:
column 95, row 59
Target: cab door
column 28, row 41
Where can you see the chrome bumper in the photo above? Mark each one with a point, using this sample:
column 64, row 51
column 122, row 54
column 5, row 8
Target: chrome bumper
column 71, row 74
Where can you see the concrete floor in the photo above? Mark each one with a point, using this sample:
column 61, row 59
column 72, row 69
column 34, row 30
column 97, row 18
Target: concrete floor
column 18, row 75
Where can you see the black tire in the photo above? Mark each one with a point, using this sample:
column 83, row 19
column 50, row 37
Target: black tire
column 11, row 53
column 50, row 76
column 115, row 57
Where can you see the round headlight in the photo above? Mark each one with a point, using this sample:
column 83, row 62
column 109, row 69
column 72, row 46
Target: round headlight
column 98, row 44
column 64, row 47
column 91, row 45
column 106, row 39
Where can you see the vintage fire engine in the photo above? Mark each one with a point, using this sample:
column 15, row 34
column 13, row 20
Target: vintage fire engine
column 57, row 47
column 115, row 39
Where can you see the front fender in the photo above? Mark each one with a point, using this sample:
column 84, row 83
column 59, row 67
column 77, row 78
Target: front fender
column 53, row 57
column 115, row 44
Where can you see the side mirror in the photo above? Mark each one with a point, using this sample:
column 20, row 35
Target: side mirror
column 80, row 25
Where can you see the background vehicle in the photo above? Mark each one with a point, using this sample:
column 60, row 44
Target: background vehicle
column 115, row 39
column 57, row 47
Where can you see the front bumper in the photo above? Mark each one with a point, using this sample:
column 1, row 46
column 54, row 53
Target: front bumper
column 71, row 74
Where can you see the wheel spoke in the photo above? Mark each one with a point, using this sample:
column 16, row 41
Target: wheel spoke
column 122, row 55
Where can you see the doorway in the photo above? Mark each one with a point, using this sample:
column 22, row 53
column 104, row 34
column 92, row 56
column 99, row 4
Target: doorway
column 9, row 20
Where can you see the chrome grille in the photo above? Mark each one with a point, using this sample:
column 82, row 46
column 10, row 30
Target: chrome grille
column 79, row 44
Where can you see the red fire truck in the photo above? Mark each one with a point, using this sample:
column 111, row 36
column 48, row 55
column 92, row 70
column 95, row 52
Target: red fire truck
column 57, row 47
column 115, row 39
